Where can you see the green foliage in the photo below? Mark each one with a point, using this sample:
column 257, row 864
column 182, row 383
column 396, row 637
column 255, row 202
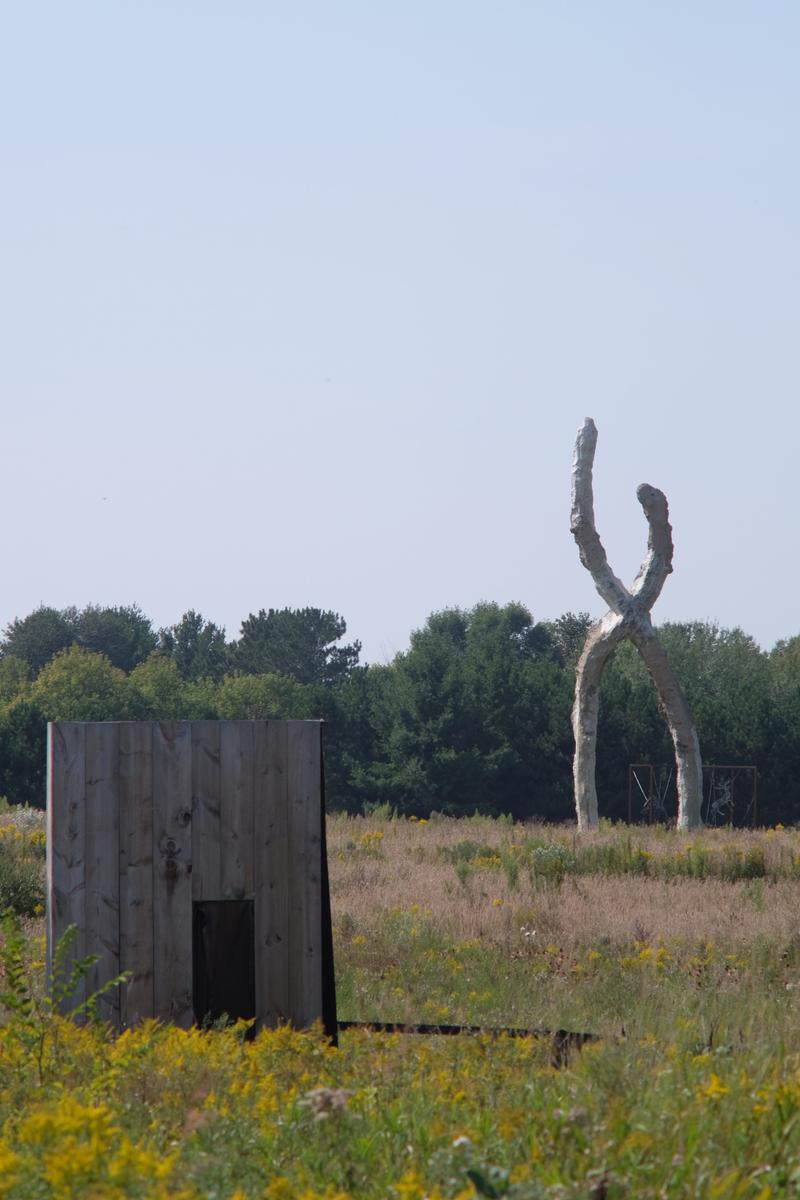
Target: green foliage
column 473, row 717
column 493, row 1182
column 37, row 638
column 196, row 646
column 259, row 697
column 122, row 633
column 358, row 774
column 32, row 1022
column 21, row 883
column 295, row 642
column 13, row 679
column 161, row 694
column 22, row 852
column 476, row 717
column 468, row 851
column 79, row 685
column 160, row 689
column 23, row 751
column 568, row 633
column 549, row 861
column 726, row 678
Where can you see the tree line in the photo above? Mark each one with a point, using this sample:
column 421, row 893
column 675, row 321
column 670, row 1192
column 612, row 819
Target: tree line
column 474, row 716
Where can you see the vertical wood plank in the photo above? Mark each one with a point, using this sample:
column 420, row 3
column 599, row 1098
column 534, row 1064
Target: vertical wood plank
column 136, row 869
column 305, row 873
column 172, row 872
column 102, row 862
column 206, row 857
column 66, row 881
column 271, row 867
column 237, row 746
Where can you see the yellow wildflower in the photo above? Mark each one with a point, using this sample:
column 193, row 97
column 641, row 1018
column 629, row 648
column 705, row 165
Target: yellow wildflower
column 715, row 1089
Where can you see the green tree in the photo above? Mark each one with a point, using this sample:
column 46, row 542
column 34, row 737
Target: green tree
column 779, row 779
column 13, row 678
column 726, row 677
column 357, row 726
column 79, row 685
column 160, row 688
column 197, row 647
column 568, row 633
column 123, row 634
column 296, row 642
column 37, row 638
column 630, row 730
column 479, row 717
column 23, row 752
column 260, row 697
column 162, row 695
column 725, row 674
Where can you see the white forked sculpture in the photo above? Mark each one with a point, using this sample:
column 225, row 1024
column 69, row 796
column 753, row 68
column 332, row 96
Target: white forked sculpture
column 629, row 617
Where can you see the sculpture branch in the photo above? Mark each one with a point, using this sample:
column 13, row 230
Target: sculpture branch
column 600, row 645
column 629, row 616
column 657, row 564
column 675, row 708
column 590, row 548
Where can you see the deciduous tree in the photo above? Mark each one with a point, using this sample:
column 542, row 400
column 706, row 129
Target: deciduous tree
column 79, row 685
column 122, row 633
column 260, row 697
column 37, row 638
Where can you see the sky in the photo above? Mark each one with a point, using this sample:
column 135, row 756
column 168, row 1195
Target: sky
column 303, row 305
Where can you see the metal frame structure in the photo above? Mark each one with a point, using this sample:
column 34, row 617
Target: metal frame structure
column 656, row 786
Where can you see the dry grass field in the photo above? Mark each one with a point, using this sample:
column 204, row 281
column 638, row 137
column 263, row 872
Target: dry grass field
column 619, row 884
column 629, row 928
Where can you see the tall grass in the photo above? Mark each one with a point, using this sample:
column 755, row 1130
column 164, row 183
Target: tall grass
column 22, row 853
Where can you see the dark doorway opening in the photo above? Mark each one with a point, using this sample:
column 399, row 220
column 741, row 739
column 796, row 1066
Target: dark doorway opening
column 223, row 960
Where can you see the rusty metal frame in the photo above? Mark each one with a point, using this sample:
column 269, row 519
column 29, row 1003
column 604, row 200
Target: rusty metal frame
column 638, row 773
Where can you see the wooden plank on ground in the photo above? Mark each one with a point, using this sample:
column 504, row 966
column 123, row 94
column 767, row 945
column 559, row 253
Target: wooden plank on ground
column 172, row 872
column 66, row 881
column 270, row 872
column 206, row 805
column 136, row 869
column 102, row 862
column 305, row 873
column 236, row 819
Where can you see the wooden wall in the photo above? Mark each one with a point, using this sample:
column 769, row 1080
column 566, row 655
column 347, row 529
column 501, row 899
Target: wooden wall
column 146, row 817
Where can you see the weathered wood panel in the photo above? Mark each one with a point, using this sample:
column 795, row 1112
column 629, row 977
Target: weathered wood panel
column 136, row 868
column 145, row 818
column 102, row 862
column 66, row 875
column 206, row 811
column 237, row 764
column 271, row 872
column 172, row 872
column 305, row 872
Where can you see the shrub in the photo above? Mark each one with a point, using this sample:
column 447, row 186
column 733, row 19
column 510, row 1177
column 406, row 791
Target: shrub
column 21, row 884
column 22, row 850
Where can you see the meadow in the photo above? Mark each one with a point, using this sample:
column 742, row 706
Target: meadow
column 681, row 954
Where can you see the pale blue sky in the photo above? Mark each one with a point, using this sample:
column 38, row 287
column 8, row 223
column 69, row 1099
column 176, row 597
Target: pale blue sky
column 318, row 294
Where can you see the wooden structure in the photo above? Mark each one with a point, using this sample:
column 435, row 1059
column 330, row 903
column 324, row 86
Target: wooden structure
column 192, row 854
